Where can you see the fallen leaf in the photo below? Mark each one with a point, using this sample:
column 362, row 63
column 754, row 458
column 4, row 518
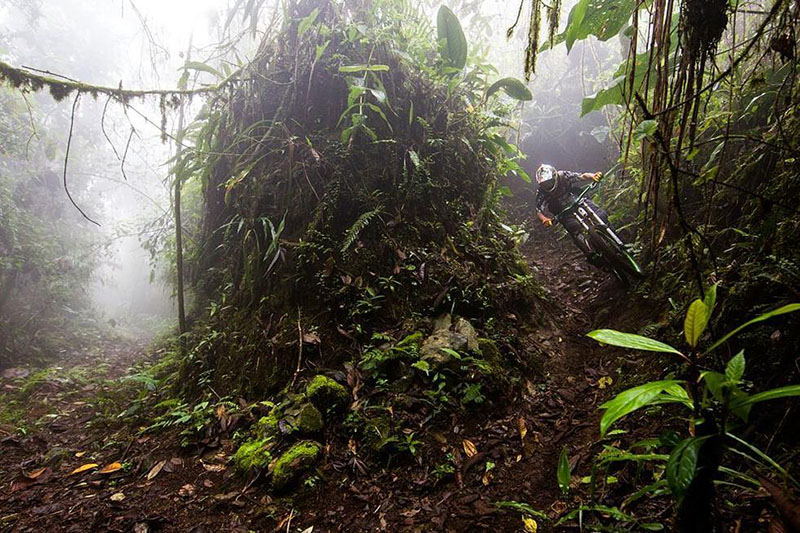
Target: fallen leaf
column 523, row 428
column 21, row 484
column 36, row 473
column 213, row 468
column 79, row 454
column 487, row 478
column 117, row 497
column 111, row 468
column 530, row 524
column 469, row 448
column 84, row 468
column 604, row 382
column 187, row 491
column 227, row 496
column 311, row 338
column 155, row 470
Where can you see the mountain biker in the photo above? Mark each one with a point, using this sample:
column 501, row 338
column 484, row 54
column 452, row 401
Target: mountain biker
column 556, row 190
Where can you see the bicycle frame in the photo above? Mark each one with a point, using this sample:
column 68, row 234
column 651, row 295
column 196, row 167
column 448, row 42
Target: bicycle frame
column 584, row 213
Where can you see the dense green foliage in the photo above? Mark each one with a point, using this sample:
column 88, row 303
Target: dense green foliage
column 351, row 184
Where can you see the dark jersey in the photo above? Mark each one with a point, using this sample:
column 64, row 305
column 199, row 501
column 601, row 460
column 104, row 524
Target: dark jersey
column 562, row 196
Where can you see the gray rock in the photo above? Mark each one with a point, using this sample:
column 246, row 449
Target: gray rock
column 460, row 337
column 464, row 328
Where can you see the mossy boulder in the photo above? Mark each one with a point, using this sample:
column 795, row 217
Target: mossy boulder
column 490, row 352
column 326, row 394
column 287, row 419
column 267, row 426
column 378, row 432
column 295, row 462
column 458, row 336
column 309, row 419
column 253, row 454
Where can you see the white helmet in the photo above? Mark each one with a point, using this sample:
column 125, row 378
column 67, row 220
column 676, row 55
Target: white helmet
column 546, row 173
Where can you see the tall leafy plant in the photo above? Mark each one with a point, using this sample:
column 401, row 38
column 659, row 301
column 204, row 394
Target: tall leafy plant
column 716, row 406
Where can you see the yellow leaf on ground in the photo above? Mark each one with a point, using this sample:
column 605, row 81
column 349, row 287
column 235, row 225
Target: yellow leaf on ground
column 523, row 428
column 604, row 382
column 469, row 448
column 80, row 454
column 84, row 468
column 530, row 524
column 117, row 497
column 110, row 468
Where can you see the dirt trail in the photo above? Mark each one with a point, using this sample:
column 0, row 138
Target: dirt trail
column 70, row 420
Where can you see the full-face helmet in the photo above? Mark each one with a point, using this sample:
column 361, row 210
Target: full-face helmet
column 546, row 173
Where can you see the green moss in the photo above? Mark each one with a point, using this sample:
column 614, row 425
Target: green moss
column 296, row 461
column 327, row 394
column 286, row 419
column 253, row 454
column 309, row 419
column 267, row 426
column 490, row 352
column 377, row 433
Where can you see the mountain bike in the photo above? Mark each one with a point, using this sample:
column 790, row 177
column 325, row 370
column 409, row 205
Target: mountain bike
column 602, row 239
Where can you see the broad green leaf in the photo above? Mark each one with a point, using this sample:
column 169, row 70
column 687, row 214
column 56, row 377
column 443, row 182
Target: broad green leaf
column 563, row 471
column 728, row 393
column 414, row 158
column 682, row 465
column 646, row 128
column 632, row 399
column 364, row 68
column 766, row 316
column 423, row 365
column 512, row 87
column 772, row 394
column 197, row 65
column 695, row 323
column 710, row 300
column 735, row 368
column 629, row 340
column 601, row 18
column 449, row 30
column 307, row 22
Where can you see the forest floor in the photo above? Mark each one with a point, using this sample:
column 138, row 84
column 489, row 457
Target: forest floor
column 56, row 420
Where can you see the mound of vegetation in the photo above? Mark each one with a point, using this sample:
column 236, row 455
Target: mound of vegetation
column 351, row 184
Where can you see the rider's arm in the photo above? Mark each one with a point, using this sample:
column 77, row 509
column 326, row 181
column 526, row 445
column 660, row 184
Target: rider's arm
column 540, row 200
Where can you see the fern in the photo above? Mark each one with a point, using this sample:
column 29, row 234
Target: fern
column 361, row 222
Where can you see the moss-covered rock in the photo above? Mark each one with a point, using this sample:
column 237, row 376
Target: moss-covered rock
column 267, row 426
column 295, row 462
column 377, row 433
column 326, row 394
column 309, row 419
column 253, row 454
column 292, row 418
column 490, row 352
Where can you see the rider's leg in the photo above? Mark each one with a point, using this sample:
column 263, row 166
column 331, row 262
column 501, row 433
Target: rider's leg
column 574, row 228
